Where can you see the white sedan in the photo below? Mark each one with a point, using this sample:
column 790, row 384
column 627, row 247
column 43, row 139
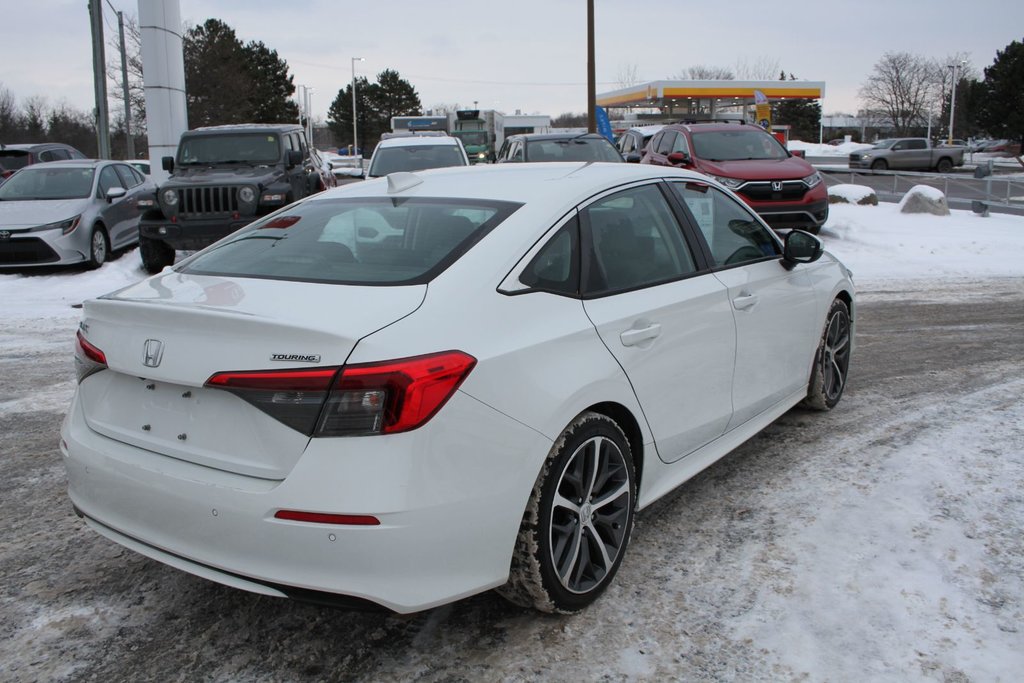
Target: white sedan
column 425, row 386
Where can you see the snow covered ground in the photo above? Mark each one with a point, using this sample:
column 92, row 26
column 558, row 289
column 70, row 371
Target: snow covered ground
column 905, row 565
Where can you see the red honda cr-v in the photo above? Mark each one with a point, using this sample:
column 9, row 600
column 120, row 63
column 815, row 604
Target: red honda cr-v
column 782, row 188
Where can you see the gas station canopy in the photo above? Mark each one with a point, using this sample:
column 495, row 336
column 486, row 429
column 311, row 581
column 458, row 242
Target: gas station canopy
column 706, row 97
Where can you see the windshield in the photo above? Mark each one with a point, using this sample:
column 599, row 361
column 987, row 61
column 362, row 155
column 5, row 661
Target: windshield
column 572, row 149
column 249, row 148
column 472, row 138
column 414, row 158
column 366, row 241
column 41, row 182
column 736, row 145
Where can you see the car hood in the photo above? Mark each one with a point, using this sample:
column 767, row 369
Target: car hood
column 759, row 169
column 207, row 175
column 22, row 214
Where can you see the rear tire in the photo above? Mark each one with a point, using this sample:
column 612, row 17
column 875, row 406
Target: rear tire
column 156, row 255
column 832, row 361
column 99, row 248
column 578, row 521
column 944, row 166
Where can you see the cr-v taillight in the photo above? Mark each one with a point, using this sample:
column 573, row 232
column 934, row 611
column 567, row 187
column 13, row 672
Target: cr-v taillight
column 88, row 358
column 360, row 399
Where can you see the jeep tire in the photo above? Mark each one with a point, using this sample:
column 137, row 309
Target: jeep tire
column 156, row 255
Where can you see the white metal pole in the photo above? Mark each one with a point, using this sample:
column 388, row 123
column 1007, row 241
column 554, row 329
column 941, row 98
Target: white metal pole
column 952, row 103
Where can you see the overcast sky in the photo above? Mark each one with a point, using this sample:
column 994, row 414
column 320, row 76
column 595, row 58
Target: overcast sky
column 528, row 55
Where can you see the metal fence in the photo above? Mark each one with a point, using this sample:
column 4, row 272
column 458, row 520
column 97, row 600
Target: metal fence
column 994, row 190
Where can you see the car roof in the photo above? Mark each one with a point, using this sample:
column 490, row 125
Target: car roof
column 30, row 146
column 549, row 182
column 247, row 128
column 531, row 137
column 648, row 129
column 418, row 141
column 702, row 126
column 76, row 163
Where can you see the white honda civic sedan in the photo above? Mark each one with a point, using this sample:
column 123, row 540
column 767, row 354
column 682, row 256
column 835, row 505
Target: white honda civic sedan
column 418, row 388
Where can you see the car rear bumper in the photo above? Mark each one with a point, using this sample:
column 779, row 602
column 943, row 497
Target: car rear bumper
column 191, row 233
column 449, row 498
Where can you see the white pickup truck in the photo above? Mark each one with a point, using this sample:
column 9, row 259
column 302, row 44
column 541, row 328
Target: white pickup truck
column 908, row 154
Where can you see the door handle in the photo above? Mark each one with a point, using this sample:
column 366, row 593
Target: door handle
column 744, row 301
column 633, row 337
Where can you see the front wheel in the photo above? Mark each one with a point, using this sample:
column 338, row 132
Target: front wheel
column 155, row 254
column 879, row 165
column 99, row 248
column 832, row 362
column 577, row 524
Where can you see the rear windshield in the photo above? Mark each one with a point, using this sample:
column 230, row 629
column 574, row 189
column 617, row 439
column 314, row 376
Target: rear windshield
column 736, row 145
column 357, row 241
column 12, row 159
column 250, row 148
column 414, row 158
column 572, row 149
column 45, row 182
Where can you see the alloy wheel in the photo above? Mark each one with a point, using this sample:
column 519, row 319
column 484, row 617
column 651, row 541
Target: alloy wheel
column 835, row 356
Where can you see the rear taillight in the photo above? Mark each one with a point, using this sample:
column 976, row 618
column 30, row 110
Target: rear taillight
column 362, row 399
column 88, row 358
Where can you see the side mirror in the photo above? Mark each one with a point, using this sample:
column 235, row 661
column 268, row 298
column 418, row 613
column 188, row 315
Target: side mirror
column 801, row 247
column 633, row 158
column 168, row 164
column 679, row 158
column 116, row 193
column 294, row 158
column 798, row 153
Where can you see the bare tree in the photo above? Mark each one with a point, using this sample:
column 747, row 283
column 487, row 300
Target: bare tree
column 902, row 88
column 628, row 76
column 702, row 72
column 136, row 88
column 763, row 68
column 8, row 115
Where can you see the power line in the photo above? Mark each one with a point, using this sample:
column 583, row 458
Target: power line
column 465, row 81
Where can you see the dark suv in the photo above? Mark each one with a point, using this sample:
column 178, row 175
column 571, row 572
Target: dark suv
column 13, row 157
column 223, row 178
column 784, row 189
column 558, row 147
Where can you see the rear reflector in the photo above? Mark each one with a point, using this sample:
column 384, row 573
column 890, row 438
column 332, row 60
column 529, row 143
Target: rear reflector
column 324, row 518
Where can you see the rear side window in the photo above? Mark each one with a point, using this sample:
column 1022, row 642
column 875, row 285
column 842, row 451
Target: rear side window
column 367, row 241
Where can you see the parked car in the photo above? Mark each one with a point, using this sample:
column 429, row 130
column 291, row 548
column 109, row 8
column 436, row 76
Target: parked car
column 909, row 154
column 64, row 212
column 13, row 157
column 1002, row 147
column 783, row 188
column 531, row 147
column 416, row 153
column 222, row 178
column 482, row 402
column 633, row 141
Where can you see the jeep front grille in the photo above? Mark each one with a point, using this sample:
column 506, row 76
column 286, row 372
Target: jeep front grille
column 207, row 201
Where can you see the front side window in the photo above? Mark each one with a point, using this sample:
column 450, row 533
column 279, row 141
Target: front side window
column 108, row 179
column 635, row 242
column 368, row 241
column 733, row 234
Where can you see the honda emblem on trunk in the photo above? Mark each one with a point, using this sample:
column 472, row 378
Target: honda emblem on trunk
column 776, row 186
column 152, row 352
column 5, row 234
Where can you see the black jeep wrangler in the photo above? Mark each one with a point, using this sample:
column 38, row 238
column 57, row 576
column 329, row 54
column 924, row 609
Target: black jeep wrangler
column 223, row 178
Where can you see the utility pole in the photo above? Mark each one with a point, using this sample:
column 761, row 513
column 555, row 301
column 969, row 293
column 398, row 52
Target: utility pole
column 130, row 141
column 99, row 76
column 591, row 71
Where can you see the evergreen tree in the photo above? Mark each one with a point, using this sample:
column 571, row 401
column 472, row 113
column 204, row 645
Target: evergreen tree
column 339, row 116
column 803, row 117
column 1002, row 111
column 271, row 88
column 377, row 103
column 217, row 78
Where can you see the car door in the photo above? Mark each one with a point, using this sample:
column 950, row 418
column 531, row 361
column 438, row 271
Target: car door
column 116, row 214
column 134, row 182
column 668, row 323
column 776, row 309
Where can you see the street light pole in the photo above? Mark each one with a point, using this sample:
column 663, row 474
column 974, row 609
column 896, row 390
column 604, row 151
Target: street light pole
column 952, row 101
column 355, row 138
